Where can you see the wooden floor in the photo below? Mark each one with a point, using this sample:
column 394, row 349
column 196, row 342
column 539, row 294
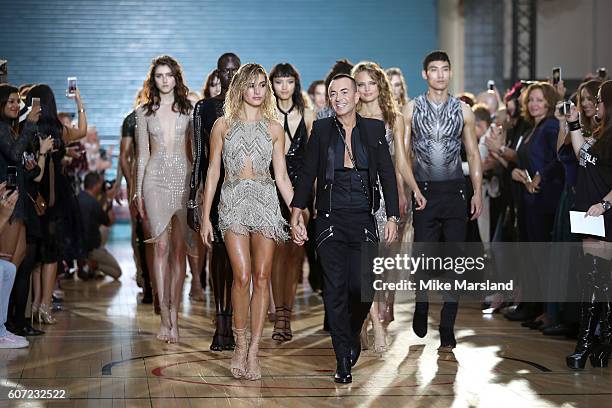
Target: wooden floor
column 103, row 353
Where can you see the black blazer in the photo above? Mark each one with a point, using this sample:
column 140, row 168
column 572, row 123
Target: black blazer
column 319, row 164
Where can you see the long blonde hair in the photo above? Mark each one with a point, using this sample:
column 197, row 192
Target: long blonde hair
column 394, row 71
column 387, row 103
column 234, row 97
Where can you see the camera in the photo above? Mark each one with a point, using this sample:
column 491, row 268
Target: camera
column 565, row 108
column 491, row 85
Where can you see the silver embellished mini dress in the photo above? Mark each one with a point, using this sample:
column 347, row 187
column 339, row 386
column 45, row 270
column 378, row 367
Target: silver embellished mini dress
column 249, row 202
column 162, row 178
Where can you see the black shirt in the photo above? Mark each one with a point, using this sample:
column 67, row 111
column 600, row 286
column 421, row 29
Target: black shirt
column 348, row 189
column 93, row 216
column 594, row 183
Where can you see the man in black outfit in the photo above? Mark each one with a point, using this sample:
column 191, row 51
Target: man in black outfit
column 205, row 113
column 345, row 154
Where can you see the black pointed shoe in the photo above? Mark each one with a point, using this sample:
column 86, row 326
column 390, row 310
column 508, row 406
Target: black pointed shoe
column 343, row 371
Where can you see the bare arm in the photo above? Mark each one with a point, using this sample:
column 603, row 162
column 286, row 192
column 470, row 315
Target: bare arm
column 218, row 132
column 403, row 156
column 473, row 158
column 576, row 135
column 71, row 134
column 142, row 155
column 125, row 153
column 279, row 163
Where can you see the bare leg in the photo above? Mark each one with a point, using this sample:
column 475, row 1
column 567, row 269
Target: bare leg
column 240, row 258
column 161, row 251
column 280, row 268
column 49, row 272
column 13, row 242
column 380, row 344
column 37, row 288
column 177, row 277
column 196, row 265
column 263, row 252
column 295, row 261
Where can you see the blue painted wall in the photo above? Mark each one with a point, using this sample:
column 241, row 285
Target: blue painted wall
column 109, row 44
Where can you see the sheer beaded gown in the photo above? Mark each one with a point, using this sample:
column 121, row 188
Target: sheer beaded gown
column 162, row 181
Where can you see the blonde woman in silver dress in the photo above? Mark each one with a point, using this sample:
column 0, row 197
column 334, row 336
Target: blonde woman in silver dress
column 248, row 138
column 164, row 133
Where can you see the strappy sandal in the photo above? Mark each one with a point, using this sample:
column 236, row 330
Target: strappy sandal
column 287, row 329
column 278, row 334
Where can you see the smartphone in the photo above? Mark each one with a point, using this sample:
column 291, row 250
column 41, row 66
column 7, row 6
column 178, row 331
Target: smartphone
column 491, row 85
column 602, row 73
column 11, row 178
column 35, row 103
column 556, row 75
column 565, row 108
column 528, row 176
column 72, row 87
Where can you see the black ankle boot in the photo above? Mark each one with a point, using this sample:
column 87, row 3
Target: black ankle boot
column 419, row 319
column 343, row 371
column 588, row 320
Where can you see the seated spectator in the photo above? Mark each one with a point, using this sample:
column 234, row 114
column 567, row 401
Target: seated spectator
column 7, row 275
column 95, row 215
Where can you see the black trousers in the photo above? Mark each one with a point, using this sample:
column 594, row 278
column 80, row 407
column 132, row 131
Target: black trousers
column 339, row 239
column 443, row 219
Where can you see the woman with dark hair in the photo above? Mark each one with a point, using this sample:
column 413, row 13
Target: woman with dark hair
column 593, row 196
column 12, row 147
column 212, row 87
column 248, row 139
column 289, row 257
column 164, row 134
column 318, row 94
column 55, row 189
column 561, row 260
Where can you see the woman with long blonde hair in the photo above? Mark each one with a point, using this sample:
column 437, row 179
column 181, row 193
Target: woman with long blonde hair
column 376, row 101
column 248, row 138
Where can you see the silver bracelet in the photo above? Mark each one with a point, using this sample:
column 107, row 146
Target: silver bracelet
column 192, row 204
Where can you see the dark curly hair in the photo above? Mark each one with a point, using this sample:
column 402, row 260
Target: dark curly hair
column 151, row 96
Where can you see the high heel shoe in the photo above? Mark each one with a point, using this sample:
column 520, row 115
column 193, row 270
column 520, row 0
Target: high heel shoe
column 218, row 337
column 380, row 342
column 253, row 371
column 364, row 334
column 34, row 314
column 588, row 319
column 278, row 332
column 45, row 316
column 165, row 324
column 238, row 363
column 287, row 329
column 228, row 335
column 174, row 329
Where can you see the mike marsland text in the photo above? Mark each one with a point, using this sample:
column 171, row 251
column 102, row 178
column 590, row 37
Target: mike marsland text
column 437, row 285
